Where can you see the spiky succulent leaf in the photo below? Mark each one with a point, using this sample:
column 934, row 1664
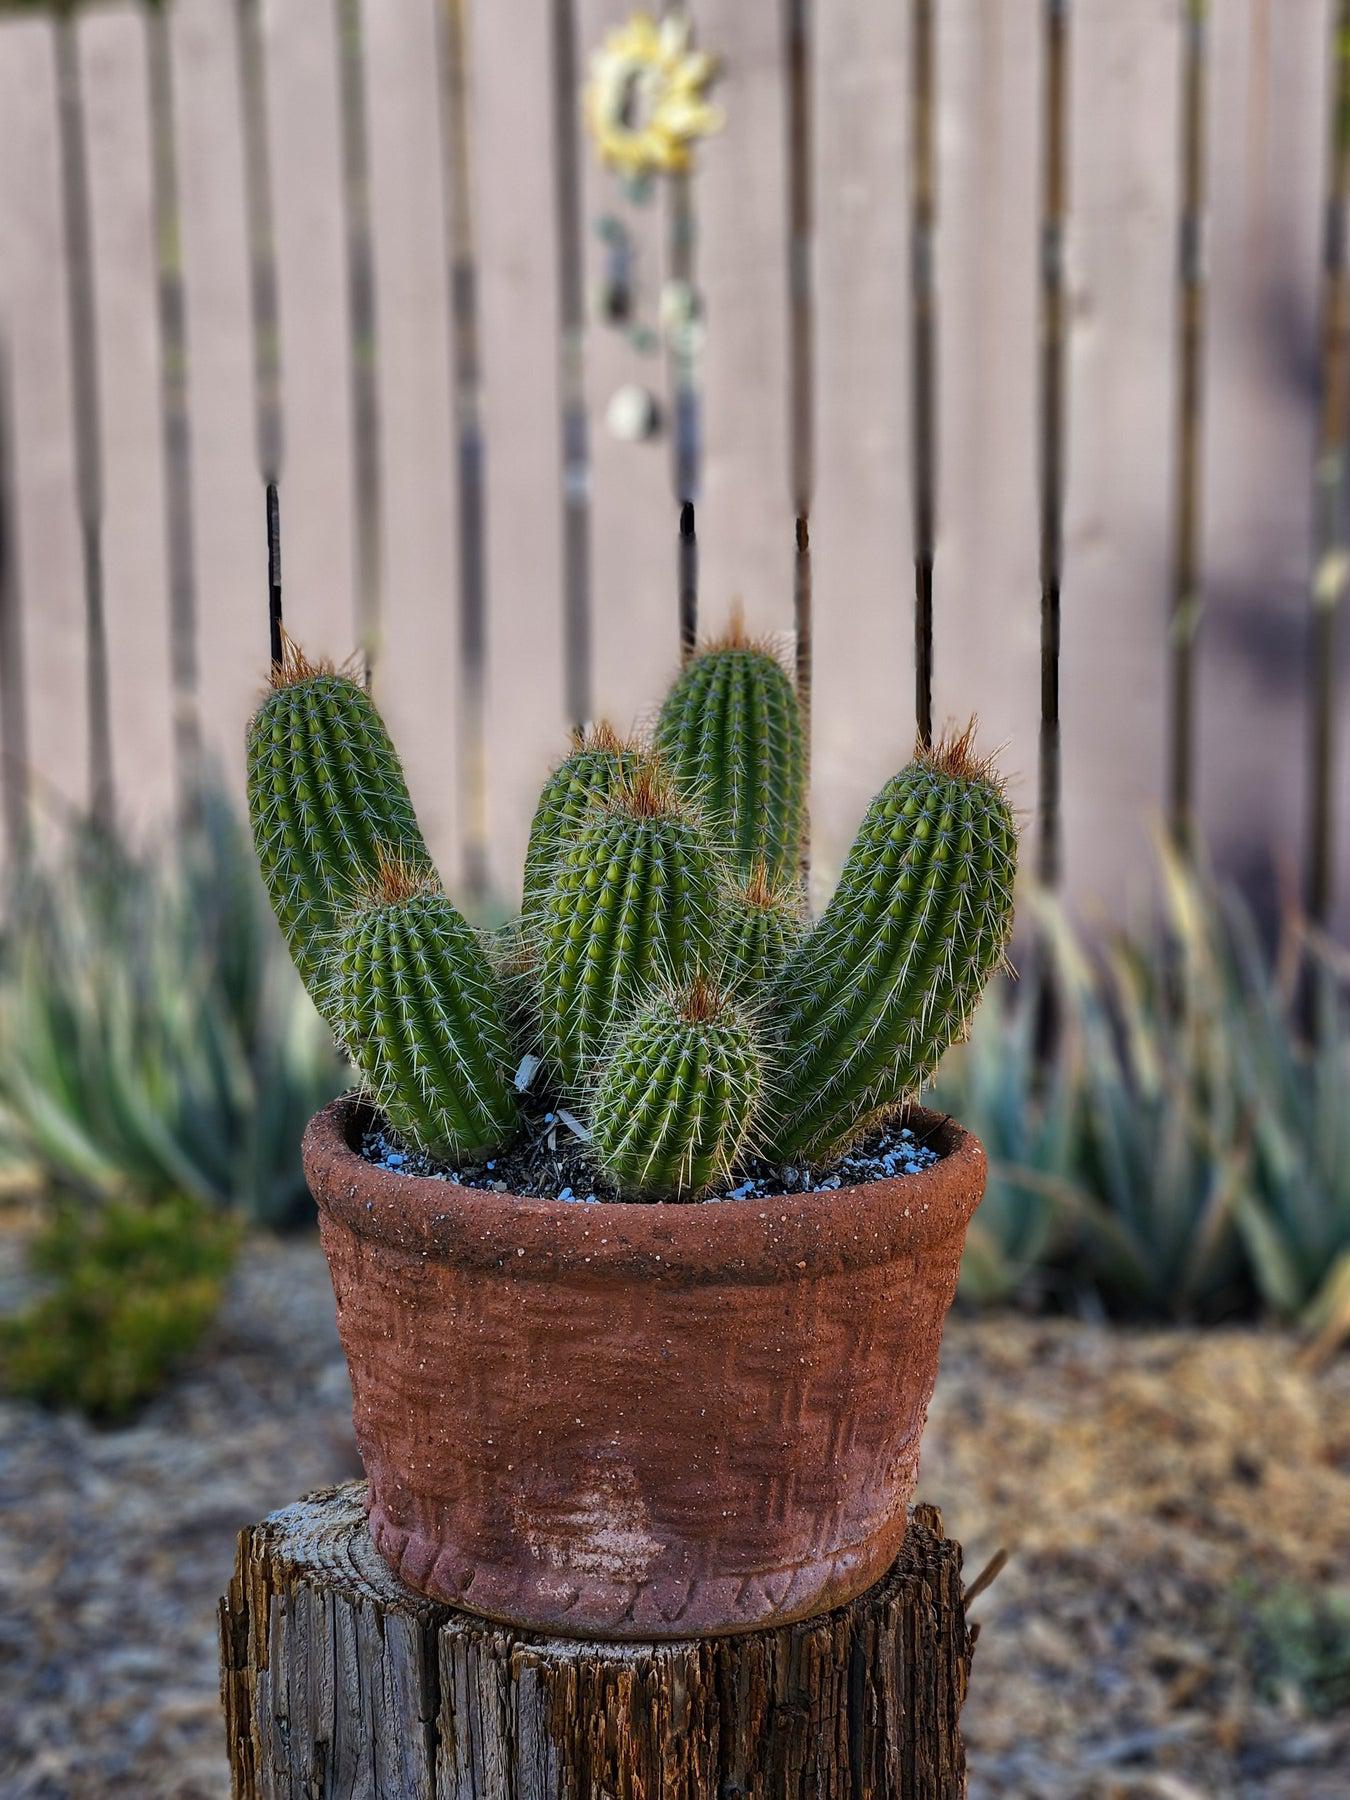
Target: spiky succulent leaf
column 731, row 733
column 633, row 903
column 326, row 797
column 761, row 926
column 423, row 1015
column 889, row 975
column 598, row 761
column 676, row 1096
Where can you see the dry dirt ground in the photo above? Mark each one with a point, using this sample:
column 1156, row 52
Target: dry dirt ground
column 1142, row 1482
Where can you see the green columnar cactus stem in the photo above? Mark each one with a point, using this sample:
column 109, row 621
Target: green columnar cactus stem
column 676, row 1095
column 731, row 732
column 423, row 1016
column 598, row 760
column 326, row 795
column 761, row 926
column 633, row 903
column 888, row 977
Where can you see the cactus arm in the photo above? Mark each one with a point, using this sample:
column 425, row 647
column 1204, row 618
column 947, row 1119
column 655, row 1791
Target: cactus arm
column 599, row 760
column 887, row 979
column 425, row 1021
column 633, row 903
column 761, row 927
column 326, row 793
column 676, row 1095
column 731, row 732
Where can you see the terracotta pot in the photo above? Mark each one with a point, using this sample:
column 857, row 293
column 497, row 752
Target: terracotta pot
column 639, row 1421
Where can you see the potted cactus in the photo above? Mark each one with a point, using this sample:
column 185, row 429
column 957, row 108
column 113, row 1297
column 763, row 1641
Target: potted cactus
column 644, row 1346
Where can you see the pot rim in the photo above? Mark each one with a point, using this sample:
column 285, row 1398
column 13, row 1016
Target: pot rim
column 769, row 1238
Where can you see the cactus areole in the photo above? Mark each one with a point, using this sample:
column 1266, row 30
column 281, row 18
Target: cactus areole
column 639, row 1418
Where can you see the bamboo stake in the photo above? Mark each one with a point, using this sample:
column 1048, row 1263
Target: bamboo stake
column 1186, row 569
column 1054, row 210
column 85, row 410
column 470, row 447
column 275, row 636
column 1331, row 558
column 923, row 346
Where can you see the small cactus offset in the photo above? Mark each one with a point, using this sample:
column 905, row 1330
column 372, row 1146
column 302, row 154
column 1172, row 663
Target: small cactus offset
column 598, row 760
column 731, row 732
column 326, row 798
column 633, row 904
column 662, row 981
column 423, row 1016
column 889, row 976
column 761, row 926
column 677, row 1095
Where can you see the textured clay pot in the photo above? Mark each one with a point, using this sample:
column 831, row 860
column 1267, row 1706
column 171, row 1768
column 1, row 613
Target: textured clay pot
column 639, row 1421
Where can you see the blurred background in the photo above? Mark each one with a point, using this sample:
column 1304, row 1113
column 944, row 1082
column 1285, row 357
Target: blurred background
column 1002, row 349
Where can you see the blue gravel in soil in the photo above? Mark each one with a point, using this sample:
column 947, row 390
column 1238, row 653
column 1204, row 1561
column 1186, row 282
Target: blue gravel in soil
column 555, row 1165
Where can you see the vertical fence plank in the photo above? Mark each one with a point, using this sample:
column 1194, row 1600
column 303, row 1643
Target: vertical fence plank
column 125, row 411
column 862, row 628
column 226, row 476
column 1269, row 78
column 15, row 798
column 304, row 125
column 1330, row 549
column 514, row 193
column 466, row 361
column 184, row 653
column 1054, row 333
column 745, row 526
column 633, row 516
column 33, row 305
column 418, row 671
column 986, row 631
column 1123, row 122
column 1187, row 596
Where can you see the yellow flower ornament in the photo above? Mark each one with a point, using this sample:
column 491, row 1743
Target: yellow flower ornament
column 646, row 102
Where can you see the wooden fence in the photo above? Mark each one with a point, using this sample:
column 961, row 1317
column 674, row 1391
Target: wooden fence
column 1036, row 310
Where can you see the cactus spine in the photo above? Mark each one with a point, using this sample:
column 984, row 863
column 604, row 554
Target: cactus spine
column 731, row 732
column 598, row 761
column 761, row 926
column 326, row 795
column 633, row 903
column 423, row 1016
column 676, row 1096
column 888, row 977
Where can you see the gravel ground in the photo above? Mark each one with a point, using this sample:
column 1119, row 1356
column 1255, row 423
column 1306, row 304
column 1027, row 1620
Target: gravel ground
column 1134, row 1478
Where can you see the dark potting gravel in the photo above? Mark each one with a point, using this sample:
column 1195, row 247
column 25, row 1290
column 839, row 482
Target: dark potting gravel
column 553, row 1161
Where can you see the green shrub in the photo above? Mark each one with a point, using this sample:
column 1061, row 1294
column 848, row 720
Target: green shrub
column 133, row 1286
column 1296, row 1642
column 154, row 1038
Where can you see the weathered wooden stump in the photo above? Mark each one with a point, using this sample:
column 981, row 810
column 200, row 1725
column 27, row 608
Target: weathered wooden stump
column 337, row 1680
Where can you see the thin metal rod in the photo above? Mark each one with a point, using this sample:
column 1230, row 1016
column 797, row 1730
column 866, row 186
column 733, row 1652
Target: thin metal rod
column 274, row 632
column 923, row 343
column 85, row 411
column 1186, row 569
column 571, row 370
column 686, row 435
column 13, row 693
column 1331, row 558
column 264, row 314
column 366, row 492
column 1053, row 308
column 175, row 422
column 470, row 448
column 688, row 581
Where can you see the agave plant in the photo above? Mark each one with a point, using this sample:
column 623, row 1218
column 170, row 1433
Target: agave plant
column 661, row 972
column 153, row 1039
